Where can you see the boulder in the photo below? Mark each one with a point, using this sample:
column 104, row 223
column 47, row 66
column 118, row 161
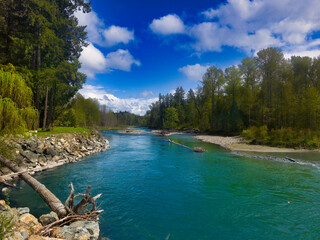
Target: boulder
column 31, row 145
column 50, row 151
column 29, row 223
column 78, row 230
column 30, row 156
column 48, row 218
column 22, row 211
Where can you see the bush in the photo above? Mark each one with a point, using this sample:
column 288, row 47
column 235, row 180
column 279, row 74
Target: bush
column 284, row 137
column 6, row 223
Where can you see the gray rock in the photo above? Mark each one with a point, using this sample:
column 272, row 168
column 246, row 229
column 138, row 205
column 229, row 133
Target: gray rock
column 30, row 156
column 23, row 210
column 25, row 235
column 79, row 230
column 50, row 151
column 91, row 226
column 48, row 218
column 31, row 145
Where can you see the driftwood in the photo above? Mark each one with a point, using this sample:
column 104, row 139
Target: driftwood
column 46, row 230
column 50, row 199
column 53, row 202
column 87, row 199
column 2, row 181
column 195, row 149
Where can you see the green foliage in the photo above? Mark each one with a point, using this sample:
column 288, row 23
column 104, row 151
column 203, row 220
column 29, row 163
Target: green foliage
column 17, row 113
column 271, row 100
column 171, row 118
column 7, row 222
column 86, row 111
column 13, row 86
column 284, row 137
column 67, row 119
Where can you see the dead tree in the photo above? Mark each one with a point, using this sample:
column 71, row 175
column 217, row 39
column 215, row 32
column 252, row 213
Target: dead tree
column 51, row 200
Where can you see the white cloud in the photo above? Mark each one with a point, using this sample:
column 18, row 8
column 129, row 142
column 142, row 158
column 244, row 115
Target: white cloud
column 252, row 25
column 310, row 53
column 194, row 72
column 122, row 60
column 99, row 34
column 115, row 35
column 94, row 25
column 134, row 105
column 93, row 61
column 146, row 94
column 170, row 24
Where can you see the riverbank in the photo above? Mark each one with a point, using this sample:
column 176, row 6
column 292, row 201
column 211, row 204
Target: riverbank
column 239, row 144
column 34, row 153
column 20, row 224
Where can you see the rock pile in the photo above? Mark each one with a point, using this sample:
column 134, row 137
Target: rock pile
column 40, row 153
column 25, row 226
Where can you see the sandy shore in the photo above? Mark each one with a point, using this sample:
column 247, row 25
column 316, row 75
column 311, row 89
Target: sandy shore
column 238, row 144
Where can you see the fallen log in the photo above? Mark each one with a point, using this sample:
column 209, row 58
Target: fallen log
column 8, row 184
column 50, row 199
column 73, row 212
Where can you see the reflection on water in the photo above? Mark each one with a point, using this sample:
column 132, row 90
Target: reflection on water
column 153, row 189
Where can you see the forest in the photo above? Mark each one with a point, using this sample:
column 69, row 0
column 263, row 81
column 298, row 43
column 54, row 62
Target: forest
column 40, row 44
column 267, row 98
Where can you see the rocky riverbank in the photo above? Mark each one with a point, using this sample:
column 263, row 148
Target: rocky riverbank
column 35, row 154
column 19, row 224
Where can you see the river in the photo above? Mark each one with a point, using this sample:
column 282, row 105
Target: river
column 153, row 189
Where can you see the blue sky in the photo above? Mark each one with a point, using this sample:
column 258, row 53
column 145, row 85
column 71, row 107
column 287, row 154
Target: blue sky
column 138, row 49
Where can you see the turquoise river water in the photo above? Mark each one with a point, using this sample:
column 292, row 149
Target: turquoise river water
column 153, row 189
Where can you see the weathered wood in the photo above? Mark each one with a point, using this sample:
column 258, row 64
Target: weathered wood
column 50, row 199
column 69, row 202
column 195, row 149
column 8, row 184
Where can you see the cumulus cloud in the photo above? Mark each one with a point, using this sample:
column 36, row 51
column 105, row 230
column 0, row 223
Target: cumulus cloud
column 100, row 34
column 94, row 25
column 252, row 25
column 134, row 105
column 170, row 24
column 194, row 72
column 121, row 59
column 93, row 61
column 115, row 35
column 307, row 53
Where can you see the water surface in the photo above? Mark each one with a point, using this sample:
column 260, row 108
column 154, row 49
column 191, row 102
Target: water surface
column 156, row 190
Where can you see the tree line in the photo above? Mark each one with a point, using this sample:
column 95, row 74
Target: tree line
column 40, row 44
column 268, row 98
column 87, row 112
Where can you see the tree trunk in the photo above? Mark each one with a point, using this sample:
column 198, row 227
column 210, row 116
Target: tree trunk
column 45, row 110
column 50, row 199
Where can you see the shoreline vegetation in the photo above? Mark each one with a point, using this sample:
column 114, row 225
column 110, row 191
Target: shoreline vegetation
column 267, row 99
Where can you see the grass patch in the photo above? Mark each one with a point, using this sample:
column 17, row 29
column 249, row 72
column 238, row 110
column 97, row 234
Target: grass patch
column 58, row 130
